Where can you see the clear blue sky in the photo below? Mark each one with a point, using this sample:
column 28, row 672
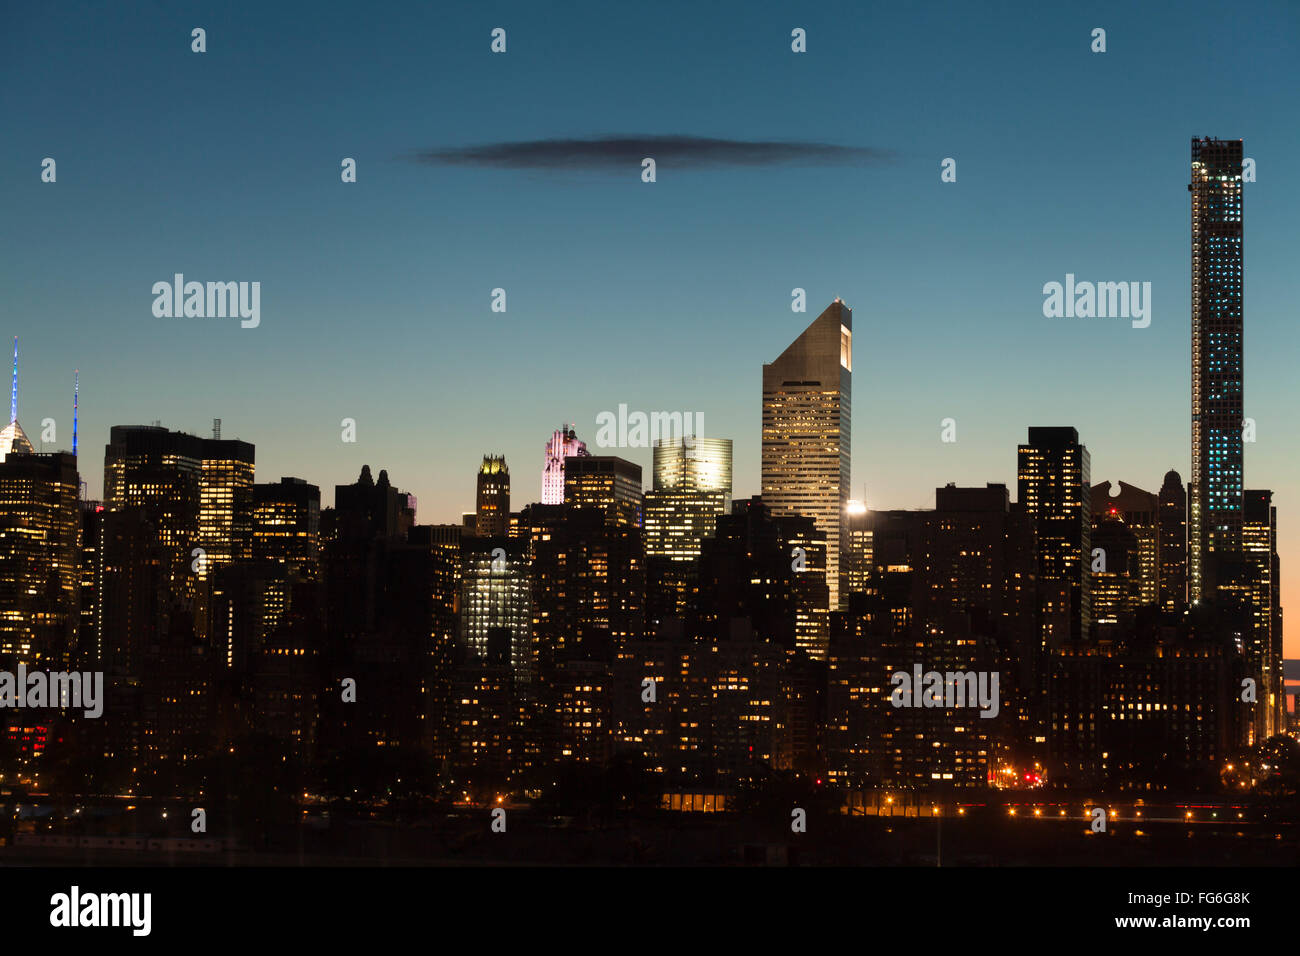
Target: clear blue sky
column 664, row 296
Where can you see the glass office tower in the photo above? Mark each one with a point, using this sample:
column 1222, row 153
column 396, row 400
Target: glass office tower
column 1214, row 513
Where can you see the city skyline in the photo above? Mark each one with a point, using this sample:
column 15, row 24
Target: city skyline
column 369, row 304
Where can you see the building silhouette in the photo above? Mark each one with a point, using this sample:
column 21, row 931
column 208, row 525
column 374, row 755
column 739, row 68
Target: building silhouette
column 1173, row 543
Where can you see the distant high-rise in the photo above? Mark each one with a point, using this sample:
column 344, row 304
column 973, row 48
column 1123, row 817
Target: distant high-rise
column 1116, row 577
column 495, row 596
column 588, row 579
column 1136, row 512
column 178, row 509
column 692, row 486
column 606, row 482
column 953, row 590
column 1173, row 543
column 225, row 493
column 855, row 549
column 13, row 440
column 286, row 526
column 368, row 509
column 806, row 430
column 1053, row 487
column 90, row 568
column 1215, row 492
column 40, row 537
column 194, row 491
column 40, row 525
column 564, row 444
column 493, row 502
column 1263, row 594
column 747, row 572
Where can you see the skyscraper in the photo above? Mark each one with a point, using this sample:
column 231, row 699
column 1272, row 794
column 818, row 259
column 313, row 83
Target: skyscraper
column 13, row 440
column 1214, row 514
column 40, row 537
column 495, row 596
column 178, row 506
column 1137, row 512
column 153, row 474
column 286, row 526
column 225, row 494
column 806, row 430
column 855, row 549
column 1262, row 595
column 367, row 509
column 747, row 572
column 493, row 501
column 1116, row 576
column 607, row 482
column 693, row 464
column 692, row 486
column 1053, row 476
column 1173, row 543
column 563, row 444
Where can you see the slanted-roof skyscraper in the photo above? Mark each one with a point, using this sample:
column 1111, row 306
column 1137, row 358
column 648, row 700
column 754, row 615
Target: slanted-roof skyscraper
column 806, row 430
column 1215, row 492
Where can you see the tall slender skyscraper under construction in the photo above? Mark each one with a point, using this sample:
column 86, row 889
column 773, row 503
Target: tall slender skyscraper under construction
column 493, row 512
column 806, row 429
column 1215, row 509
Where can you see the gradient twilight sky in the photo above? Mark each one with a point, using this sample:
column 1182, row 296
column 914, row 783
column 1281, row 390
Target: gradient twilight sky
column 665, row 296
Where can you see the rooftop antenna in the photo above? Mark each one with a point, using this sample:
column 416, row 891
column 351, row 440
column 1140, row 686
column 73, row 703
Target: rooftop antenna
column 76, row 386
column 13, row 395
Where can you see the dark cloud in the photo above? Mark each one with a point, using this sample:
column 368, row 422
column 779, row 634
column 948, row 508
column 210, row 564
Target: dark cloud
column 679, row 152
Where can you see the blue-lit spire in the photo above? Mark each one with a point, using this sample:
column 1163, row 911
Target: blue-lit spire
column 13, row 394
